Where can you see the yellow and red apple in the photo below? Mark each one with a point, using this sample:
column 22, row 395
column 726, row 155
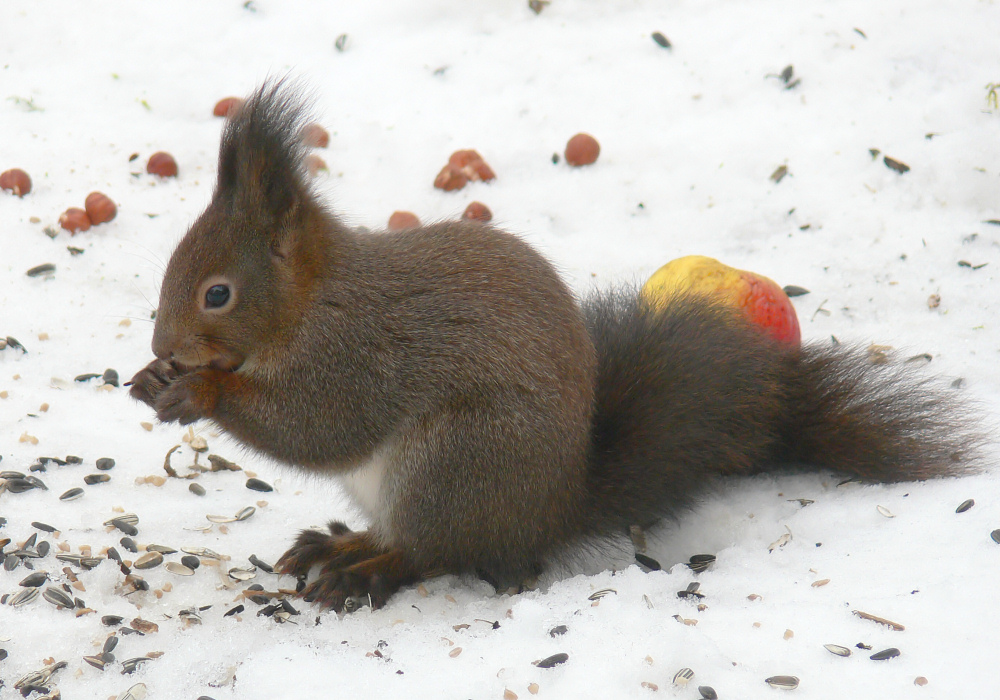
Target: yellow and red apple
column 760, row 298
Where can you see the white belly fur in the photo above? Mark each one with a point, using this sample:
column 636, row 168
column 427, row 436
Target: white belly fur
column 364, row 486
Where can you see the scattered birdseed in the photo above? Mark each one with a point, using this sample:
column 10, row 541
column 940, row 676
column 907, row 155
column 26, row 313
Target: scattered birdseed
column 784, row 682
column 965, row 505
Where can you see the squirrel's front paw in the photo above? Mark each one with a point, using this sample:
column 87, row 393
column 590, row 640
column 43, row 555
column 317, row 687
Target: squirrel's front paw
column 188, row 398
column 149, row 382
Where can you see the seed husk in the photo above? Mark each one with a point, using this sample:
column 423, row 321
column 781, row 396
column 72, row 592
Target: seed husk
column 234, row 610
column 255, row 484
column 245, row 513
column 136, row 692
column 885, row 654
column 597, row 595
column 558, row 630
column 883, row 511
column 72, row 494
column 242, row 574
column 57, row 597
column 784, row 682
column 881, row 620
column 149, row 560
column 965, row 505
column 683, row 676
column 219, row 519
column 130, row 665
column 837, row 649
column 201, row 552
column 554, row 660
column 178, row 568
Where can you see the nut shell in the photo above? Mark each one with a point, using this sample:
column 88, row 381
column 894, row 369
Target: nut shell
column 16, row 181
column 477, row 211
column 162, row 164
column 226, row 106
column 74, row 220
column 314, row 164
column 582, row 149
column 403, row 220
column 100, row 208
column 451, row 178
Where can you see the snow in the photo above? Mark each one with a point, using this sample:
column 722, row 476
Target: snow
column 690, row 137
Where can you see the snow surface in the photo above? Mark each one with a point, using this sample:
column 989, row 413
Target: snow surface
column 690, row 137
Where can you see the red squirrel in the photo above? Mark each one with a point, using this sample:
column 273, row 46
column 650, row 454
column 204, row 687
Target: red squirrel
column 481, row 417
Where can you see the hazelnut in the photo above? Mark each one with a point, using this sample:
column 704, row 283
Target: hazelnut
column 15, row 180
column 314, row 136
column 477, row 211
column 451, row 178
column 314, row 164
column 582, row 149
column 402, row 220
column 472, row 165
column 226, row 106
column 74, row 220
column 460, row 159
column 162, row 164
column 100, row 208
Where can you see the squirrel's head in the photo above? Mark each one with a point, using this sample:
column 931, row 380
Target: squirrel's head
column 244, row 274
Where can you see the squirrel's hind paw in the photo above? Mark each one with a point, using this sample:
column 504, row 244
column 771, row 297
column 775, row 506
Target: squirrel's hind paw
column 354, row 568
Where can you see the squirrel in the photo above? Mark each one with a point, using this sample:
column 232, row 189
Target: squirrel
column 481, row 417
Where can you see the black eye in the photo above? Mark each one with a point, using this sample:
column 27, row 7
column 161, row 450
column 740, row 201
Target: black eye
column 216, row 296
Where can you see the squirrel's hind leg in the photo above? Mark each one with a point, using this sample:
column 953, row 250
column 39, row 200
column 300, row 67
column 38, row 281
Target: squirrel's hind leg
column 354, row 566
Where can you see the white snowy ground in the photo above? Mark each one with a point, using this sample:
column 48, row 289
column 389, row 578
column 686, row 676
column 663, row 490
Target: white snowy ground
column 689, row 138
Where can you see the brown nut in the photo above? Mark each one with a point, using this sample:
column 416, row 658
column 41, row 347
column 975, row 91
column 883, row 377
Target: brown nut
column 451, row 178
column 74, row 220
column 162, row 164
column 582, row 149
column 15, row 180
column 100, row 208
column 226, row 106
column 402, row 220
column 477, row 211
column 314, row 136
column 314, row 164
column 472, row 165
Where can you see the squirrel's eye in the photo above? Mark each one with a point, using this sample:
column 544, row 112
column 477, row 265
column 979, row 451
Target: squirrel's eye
column 216, row 296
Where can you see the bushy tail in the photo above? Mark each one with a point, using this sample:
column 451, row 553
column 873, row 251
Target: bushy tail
column 693, row 392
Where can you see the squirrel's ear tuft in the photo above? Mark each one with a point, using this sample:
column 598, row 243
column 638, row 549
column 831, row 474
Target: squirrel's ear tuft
column 260, row 159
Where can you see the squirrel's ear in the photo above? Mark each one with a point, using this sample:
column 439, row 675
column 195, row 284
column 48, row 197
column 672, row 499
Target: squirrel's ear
column 260, row 159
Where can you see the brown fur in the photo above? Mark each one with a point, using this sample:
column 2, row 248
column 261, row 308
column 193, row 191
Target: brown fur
column 482, row 417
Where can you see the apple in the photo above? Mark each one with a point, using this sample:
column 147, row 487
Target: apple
column 763, row 301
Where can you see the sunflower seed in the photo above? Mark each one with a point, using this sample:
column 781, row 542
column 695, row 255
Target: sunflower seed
column 890, row 653
column 255, row 484
column 553, row 660
column 683, row 676
column 162, row 549
column 647, row 562
column 700, row 562
column 785, row 682
column 39, row 678
column 105, row 463
column 43, row 269
column 196, row 489
column 149, row 560
column 234, row 611
column 19, row 485
column 245, row 513
column 22, row 597
column 72, row 494
column 965, row 506
column 128, row 518
column 260, row 564
column 43, row 548
column 995, row 536
column 111, row 620
column 190, row 561
column 661, row 40
column 893, row 164
column 123, row 526
column 34, row 580
column 129, row 545
column 708, row 692
column 793, row 291
column 96, row 661
column 42, row 526
column 58, row 598
column 109, row 644
column 92, row 479
column 110, row 376
column 558, row 630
